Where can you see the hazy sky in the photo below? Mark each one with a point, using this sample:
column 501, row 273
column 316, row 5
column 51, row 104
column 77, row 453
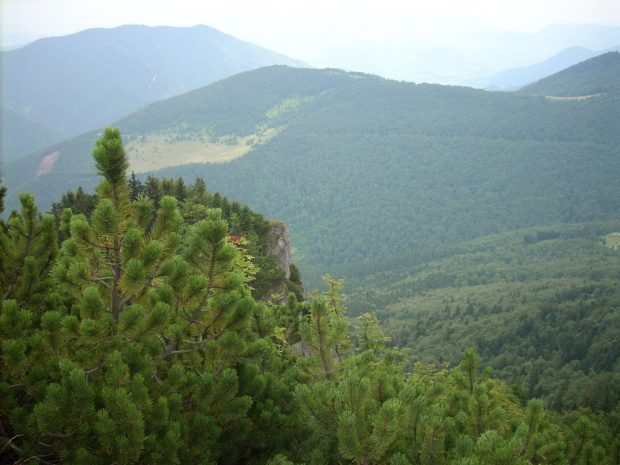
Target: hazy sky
column 300, row 28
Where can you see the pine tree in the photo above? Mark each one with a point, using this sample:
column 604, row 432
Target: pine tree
column 113, row 253
column 2, row 195
column 152, row 190
column 180, row 191
column 136, row 187
column 28, row 249
column 350, row 405
column 324, row 335
column 27, row 252
column 148, row 355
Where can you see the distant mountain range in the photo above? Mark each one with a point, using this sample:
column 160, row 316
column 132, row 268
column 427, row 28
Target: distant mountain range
column 472, row 59
column 60, row 87
column 83, row 81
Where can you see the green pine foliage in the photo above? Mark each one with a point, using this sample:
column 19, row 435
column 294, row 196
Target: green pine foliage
column 148, row 354
column 27, row 252
column 194, row 202
column 139, row 341
column 2, row 194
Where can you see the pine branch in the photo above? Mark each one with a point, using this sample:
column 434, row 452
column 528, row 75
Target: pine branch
column 20, row 451
column 199, row 344
column 97, row 368
column 7, row 253
column 147, row 283
column 210, row 279
column 102, row 281
column 315, row 415
column 98, row 246
column 103, row 262
column 322, row 350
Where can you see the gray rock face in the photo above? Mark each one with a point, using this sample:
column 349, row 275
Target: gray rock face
column 280, row 247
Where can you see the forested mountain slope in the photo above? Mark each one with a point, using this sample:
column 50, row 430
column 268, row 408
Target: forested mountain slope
column 247, row 104
column 511, row 79
column 541, row 306
column 87, row 80
column 22, row 136
column 367, row 173
column 380, row 170
column 598, row 75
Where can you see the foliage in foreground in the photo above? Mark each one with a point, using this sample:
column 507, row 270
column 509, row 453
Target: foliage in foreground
column 139, row 342
column 249, row 230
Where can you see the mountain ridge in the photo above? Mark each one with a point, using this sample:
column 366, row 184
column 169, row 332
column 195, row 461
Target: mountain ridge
column 66, row 82
column 515, row 78
column 597, row 75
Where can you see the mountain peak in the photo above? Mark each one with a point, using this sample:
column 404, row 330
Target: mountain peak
column 66, row 82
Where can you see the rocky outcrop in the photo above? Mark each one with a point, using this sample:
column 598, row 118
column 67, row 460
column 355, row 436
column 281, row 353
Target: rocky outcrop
column 279, row 244
column 280, row 250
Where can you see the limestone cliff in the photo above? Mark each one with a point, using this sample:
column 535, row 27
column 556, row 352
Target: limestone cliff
column 279, row 245
column 281, row 277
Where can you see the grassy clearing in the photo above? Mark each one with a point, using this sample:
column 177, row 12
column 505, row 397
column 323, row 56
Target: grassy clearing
column 612, row 240
column 287, row 106
column 581, row 97
column 155, row 151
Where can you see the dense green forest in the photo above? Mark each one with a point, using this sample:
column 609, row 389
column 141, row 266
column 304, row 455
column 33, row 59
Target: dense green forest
column 540, row 306
column 363, row 181
column 137, row 340
column 365, row 170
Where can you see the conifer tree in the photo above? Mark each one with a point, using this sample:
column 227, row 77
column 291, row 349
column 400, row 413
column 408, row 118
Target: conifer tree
column 136, row 187
column 350, row 405
column 27, row 252
column 2, row 195
column 112, row 253
column 324, row 335
column 149, row 355
column 152, row 189
column 180, row 190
